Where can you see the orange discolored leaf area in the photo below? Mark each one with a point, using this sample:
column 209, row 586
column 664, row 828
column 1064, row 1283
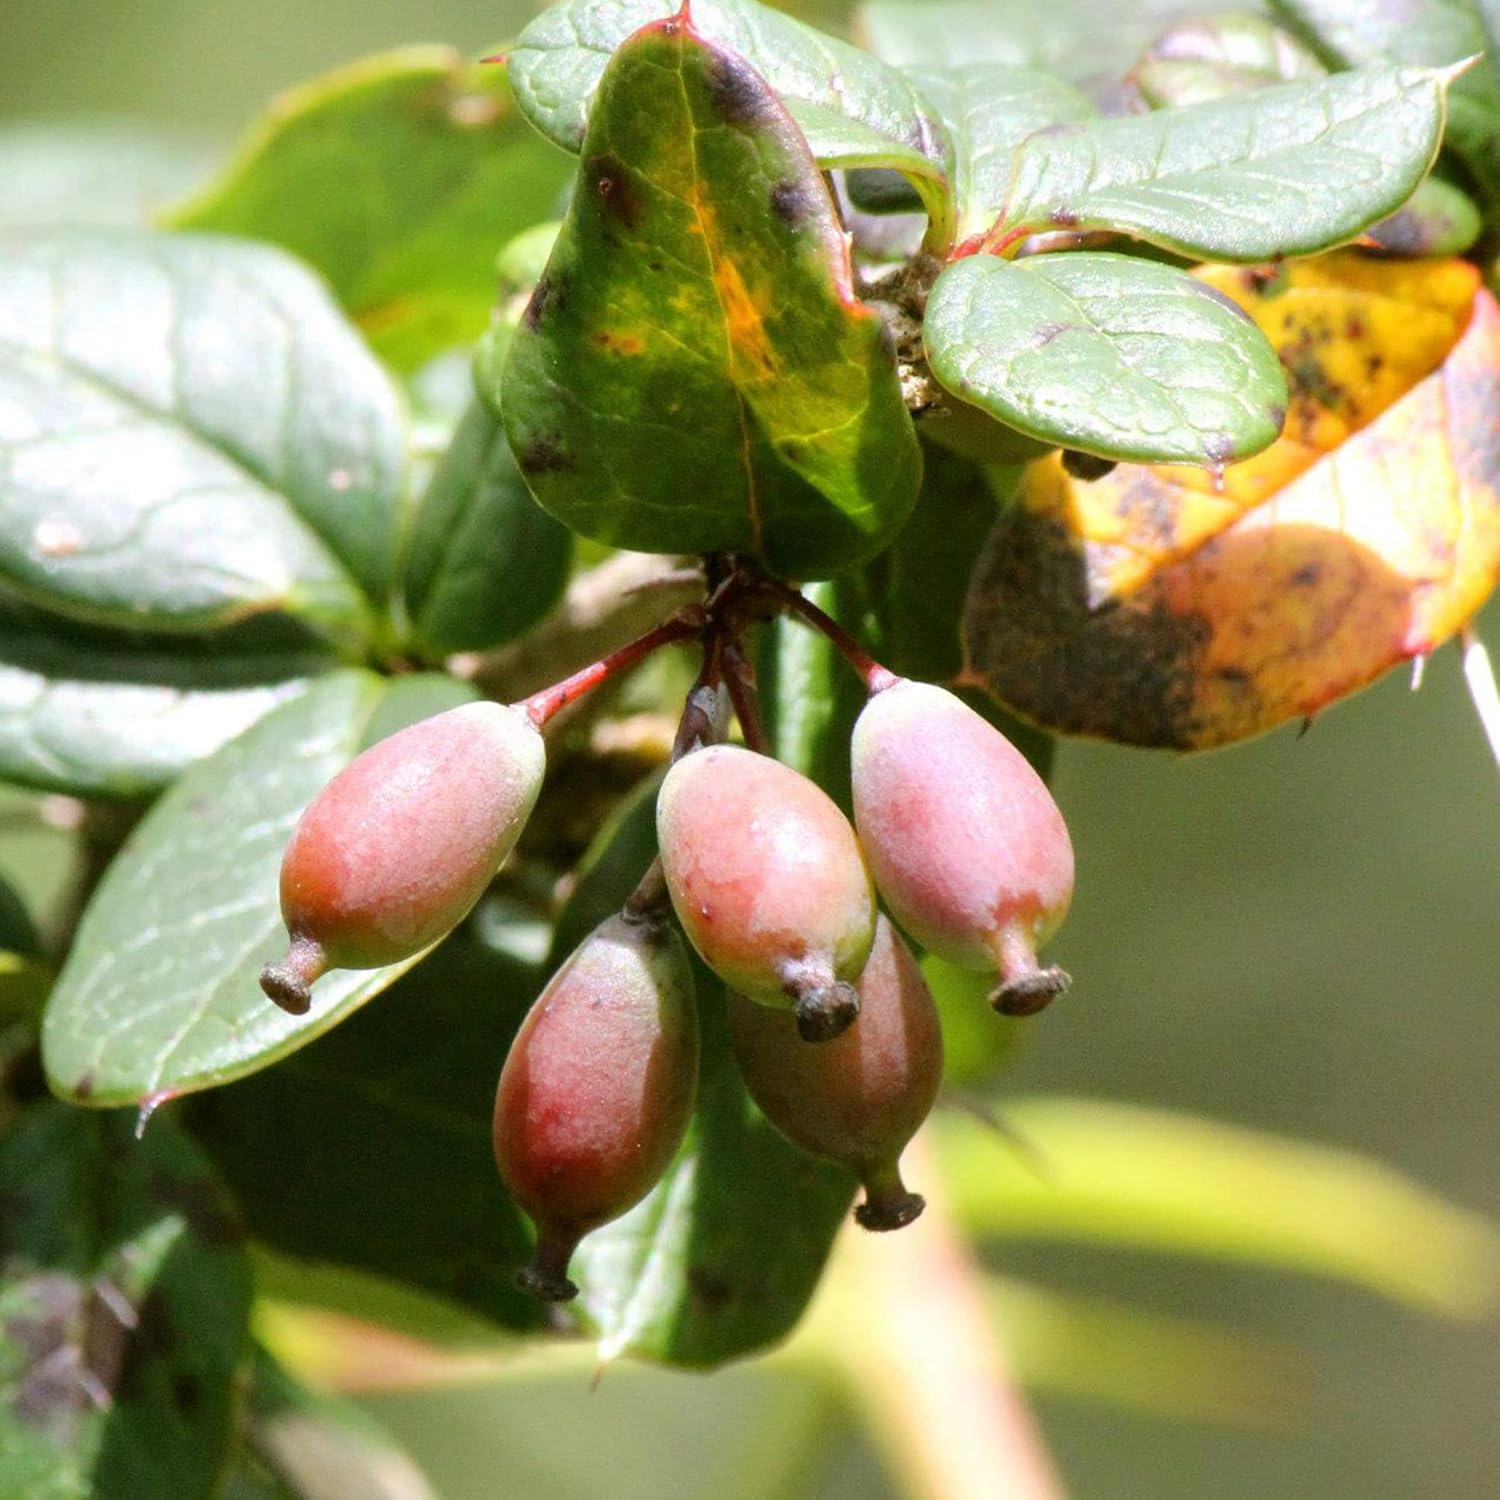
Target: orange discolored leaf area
column 1168, row 607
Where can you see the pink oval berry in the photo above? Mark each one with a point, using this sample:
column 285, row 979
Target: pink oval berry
column 967, row 847
column 397, row 848
column 859, row 1098
column 768, row 881
column 596, row 1092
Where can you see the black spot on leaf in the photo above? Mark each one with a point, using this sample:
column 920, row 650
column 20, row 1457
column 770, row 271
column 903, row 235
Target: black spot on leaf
column 793, row 203
column 546, row 455
column 736, row 91
column 1218, row 447
column 614, row 191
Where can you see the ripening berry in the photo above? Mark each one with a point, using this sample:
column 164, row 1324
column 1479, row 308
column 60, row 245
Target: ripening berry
column 768, row 882
column 394, row 851
column 859, row 1098
column 967, row 847
column 597, row 1090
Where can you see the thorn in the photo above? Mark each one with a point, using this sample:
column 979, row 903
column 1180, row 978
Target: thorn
column 1307, row 723
column 149, row 1106
column 496, row 57
column 1418, row 671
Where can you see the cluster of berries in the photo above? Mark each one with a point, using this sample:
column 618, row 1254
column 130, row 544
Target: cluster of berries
column 834, row 1029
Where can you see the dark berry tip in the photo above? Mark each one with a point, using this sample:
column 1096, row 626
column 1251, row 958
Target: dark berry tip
column 891, row 1210
column 283, row 985
column 545, row 1284
column 1030, row 992
column 826, row 1011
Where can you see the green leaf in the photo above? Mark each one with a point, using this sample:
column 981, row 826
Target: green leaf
column 101, row 716
column 698, row 303
column 124, row 1305
column 722, row 1256
column 1106, row 354
column 159, row 995
column 1212, row 57
column 558, row 64
column 390, row 1117
column 97, row 174
column 989, row 110
column 1438, row 219
column 485, row 560
column 447, row 171
column 1433, row 32
column 192, row 435
column 1120, row 1175
column 1280, row 171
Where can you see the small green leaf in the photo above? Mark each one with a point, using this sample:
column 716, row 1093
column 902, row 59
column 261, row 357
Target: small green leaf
column 1433, row 32
column 558, row 63
column 1212, row 57
column 485, row 560
column 1438, row 219
column 159, row 995
column 698, row 304
column 447, row 170
column 100, row 716
column 390, row 1117
column 1120, row 1175
column 192, row 435
column 1106, row 354
column 1280, row 171
column 989, row 110
column 124, row 1308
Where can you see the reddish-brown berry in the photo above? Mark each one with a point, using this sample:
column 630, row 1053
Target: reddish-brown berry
column 768, row 882
column 394, row 851
column 596, row 1093
column 859, row 1098
column 967, row 847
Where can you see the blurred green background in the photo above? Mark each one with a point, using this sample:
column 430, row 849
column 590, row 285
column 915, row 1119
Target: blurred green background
column 1300, row 935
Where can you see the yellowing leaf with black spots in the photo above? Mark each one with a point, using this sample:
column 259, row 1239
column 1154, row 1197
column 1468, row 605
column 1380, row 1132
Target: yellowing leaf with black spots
column 1373, row 553
column 693, row 372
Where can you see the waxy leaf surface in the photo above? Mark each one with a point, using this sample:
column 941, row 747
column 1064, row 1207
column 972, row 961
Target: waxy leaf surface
column 159, row 995
column 1276, row 172
column 1148, row 607
column 446, row 171
column 989, row 110
column 557, row 65
column 97, row 716
column 693, row 372
column 1106, row 354
column 191, row 434
column 1422, row 31
column 124, row 1309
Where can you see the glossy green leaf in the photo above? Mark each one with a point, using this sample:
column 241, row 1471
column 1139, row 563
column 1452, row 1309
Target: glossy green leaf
column 99, row 716
column 485, row 560
column 447, row 171
column 1433, row 32
column 989, row 110
column 558, row 63
column 1106, row 354
column 191, row 435
column 1116, row 1174
column 698, row 308
column 390, row 1116
column 159, row 995
column 1279, row 171
column 124, row 1304
column 96, row 174
column 722, row 1256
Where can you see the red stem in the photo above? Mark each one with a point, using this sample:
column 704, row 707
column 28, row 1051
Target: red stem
column 542, row 707
column 740, row 680
column 875, row 677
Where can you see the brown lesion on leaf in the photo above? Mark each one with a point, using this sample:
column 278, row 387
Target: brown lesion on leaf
column 548, row 296
column 793, row 203
column 546, row 454
column 628, row 344
column 736, row 92
column 614, row 192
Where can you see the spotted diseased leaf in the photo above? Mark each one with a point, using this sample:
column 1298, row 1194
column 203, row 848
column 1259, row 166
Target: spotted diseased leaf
column 829, row 86
column 191, row 435
column 1352, row 32
column 159, row 995
column 1277, row 172
column 693, row 372
column 1106, row 354
column 124, row 1310
column 447, row 170
column 1149, row 609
